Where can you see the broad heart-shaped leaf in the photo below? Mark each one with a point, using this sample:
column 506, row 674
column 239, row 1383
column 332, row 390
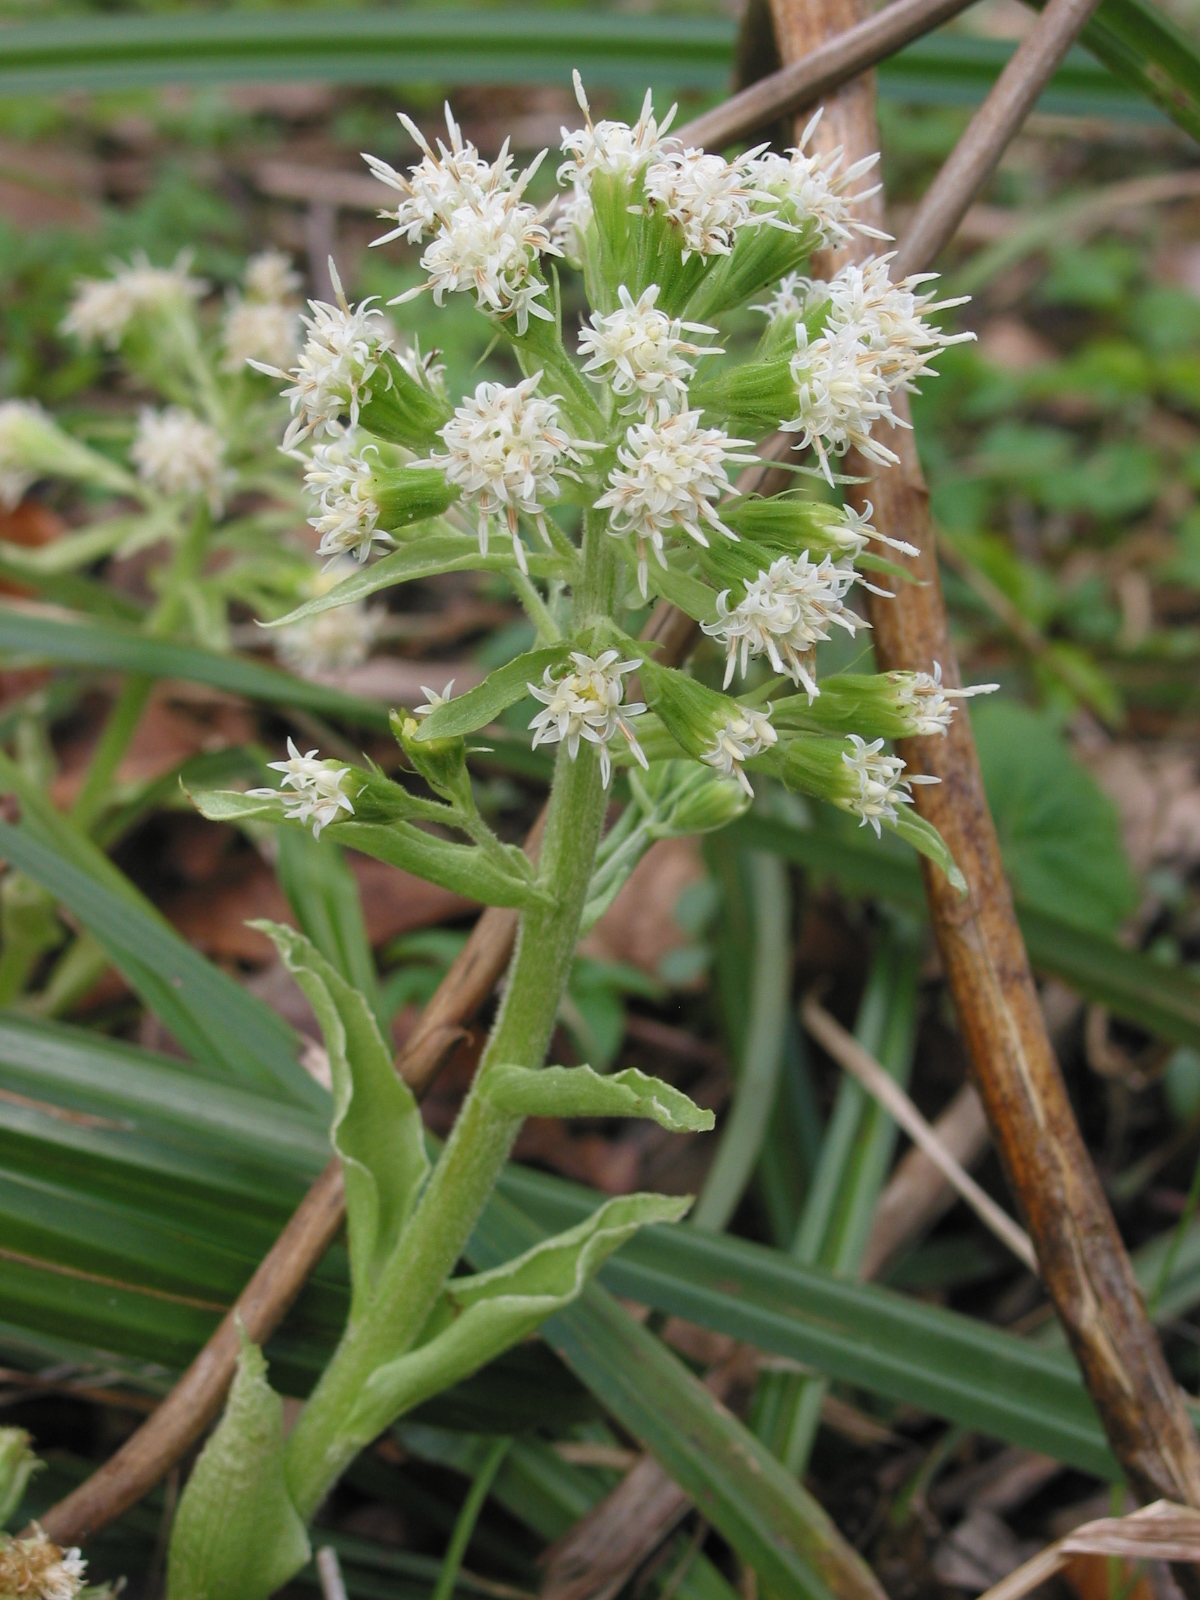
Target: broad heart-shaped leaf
column 500, row 689
column 478, row 1318
column 580, row 1092
column 1058, row 830
column 237, row 1535
column 425, row 556
column 376, row 1125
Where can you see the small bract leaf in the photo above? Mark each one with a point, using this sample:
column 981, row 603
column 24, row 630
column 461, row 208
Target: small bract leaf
column 500, row 689
column 581, row 1092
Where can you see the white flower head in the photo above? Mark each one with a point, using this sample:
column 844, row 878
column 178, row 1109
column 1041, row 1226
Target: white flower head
column 443, row 180
column 490, row 246
column 880, row 786
column 802, row 190
column 708, row 197
column 842, row 393
column 669, row 473
column 853, row 532
column 506, row 449
column 103, row 308
column 785, row 613
column 316, row 789
column 270, row 277
column 339, row 475
column 433, row 700
column 745, row 734
column 337, row 366
column 641, row 353
column 586, row 703
column 177, row 453
column 333, row 641
column 19, row 470
column 612, row 148
column 928, row 701
column 265, row 332
column 889, row 318
column 37, row 1569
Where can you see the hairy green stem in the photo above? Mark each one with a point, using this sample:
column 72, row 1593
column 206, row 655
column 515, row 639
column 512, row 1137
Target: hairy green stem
column 323, row 1442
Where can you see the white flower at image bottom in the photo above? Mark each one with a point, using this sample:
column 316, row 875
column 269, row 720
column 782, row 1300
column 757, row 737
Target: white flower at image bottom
column 177, row 453
column 506, row 449
column 784, row 614
column 669, row 472
column 881, row 786
column 318, row 795
column 745, row 734
column 587, row 704
column 37, row 1569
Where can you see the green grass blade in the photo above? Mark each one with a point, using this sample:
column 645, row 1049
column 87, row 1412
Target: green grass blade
column 210, row 1015
column 113, row 646
column 1140, row 44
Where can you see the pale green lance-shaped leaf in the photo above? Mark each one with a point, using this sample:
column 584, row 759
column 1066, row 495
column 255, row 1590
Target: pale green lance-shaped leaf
column 772, row 1522
column 925, row 838
column 237, row 1535
column 480, row 1317
column 1058, row 830
column 463, row 869
column 424, row 557
column 690, row 594
column 468, row 712
column 210, row 1015
column 580, row 1092
column 376, row 1125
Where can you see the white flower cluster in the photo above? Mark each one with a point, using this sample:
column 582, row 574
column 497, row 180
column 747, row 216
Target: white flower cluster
column 745, row 734
column 506, row 449
column 641, row 354
column 177, row 453
column 337, row 365
column 709, row 198
column 263, row 324
column 17, row 471
column 37, row 1569
column 669, row 473
column 928, row 701
column 812, row 190
column 340, row 478
column 785, row 613
column 874, row 342
column 316, row 789
column 103, row 308
column 880, row 784
column 586, row 703
column 485, row 236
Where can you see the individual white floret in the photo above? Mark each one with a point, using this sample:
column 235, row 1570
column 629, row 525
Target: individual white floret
column 928, row 701
column 670, row 470
column 270, row 277
column 337, row 366
column 316, row 786
column 640, row 352
column 612, row 148
column 490, row 247
column 177, row 453
column 442, row 181
column 339, row 475
column 784, row 614
column 880, row 784
column 854, row 531
column 709, row 198
column 745, row 734
column 36, row 1568
column 103, row 308
column 586, row 703
column 433, row 700
column 802, row 190
column 506, row 449
column 263, row 332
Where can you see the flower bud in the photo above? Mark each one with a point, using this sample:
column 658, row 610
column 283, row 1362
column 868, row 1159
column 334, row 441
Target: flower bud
column 441, row 762
column 405, row 495
column 17, row 1465
column 757, row 395
column 688, row 799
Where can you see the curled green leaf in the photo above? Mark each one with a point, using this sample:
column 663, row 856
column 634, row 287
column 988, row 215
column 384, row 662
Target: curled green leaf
column 581, row 1092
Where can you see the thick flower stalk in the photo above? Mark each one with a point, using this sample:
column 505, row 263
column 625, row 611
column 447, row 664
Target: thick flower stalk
column 609, row 446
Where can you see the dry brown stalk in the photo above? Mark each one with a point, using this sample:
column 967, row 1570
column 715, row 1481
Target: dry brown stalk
column 1083, row 1260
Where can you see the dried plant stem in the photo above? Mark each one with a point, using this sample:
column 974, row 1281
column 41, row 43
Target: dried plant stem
column 1082, row 1258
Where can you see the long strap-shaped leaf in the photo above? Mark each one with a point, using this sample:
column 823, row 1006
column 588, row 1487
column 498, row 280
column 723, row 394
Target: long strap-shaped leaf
column 1146, row 54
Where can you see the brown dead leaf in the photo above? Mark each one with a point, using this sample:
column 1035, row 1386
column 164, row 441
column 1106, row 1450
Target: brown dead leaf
column 1158, row 1532
column 29, row 525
